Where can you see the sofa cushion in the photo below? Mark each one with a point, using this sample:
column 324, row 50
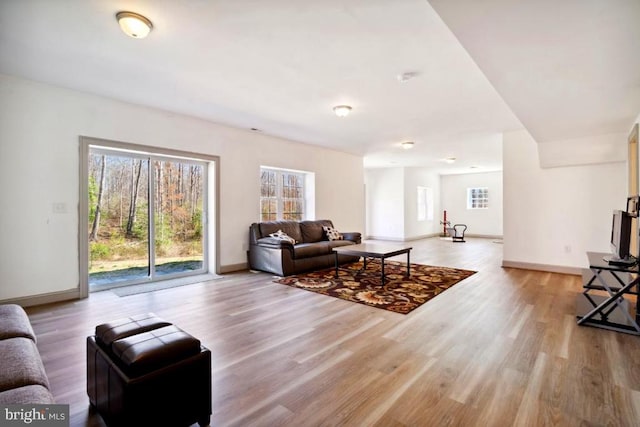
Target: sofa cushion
column 15, row 322
column 308, row 250
column 21, row 364
column 292, row 228
column 30, row 394
column 312, row 231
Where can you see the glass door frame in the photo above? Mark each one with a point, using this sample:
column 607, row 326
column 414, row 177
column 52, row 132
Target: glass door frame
column 210, row 207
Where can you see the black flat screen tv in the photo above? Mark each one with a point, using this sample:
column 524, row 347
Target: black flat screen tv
column 621, row 239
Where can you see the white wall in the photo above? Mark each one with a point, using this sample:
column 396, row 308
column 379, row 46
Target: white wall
column 392, row 210
column 483, row 222
column 553, row 216
column 39, row 154
column 385, row 203
column 414, row 178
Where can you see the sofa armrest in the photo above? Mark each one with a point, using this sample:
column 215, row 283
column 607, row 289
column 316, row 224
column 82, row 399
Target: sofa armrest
column 272, row 242
column 352, row 236
column 272, row 255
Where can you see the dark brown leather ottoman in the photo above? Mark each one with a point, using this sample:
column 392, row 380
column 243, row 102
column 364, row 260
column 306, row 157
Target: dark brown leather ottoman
column 145, row 371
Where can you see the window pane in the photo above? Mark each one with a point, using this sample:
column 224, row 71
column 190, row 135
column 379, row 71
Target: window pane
column 118, row 219
column 268, row 209
column 146, row 217
column 179, row 242
column 267, row 184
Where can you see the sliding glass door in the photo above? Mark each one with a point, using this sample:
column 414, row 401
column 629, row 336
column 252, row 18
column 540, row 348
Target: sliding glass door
column 146, row 217
column 177, row 213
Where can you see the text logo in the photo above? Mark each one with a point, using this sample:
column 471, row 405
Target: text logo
column 34, row 415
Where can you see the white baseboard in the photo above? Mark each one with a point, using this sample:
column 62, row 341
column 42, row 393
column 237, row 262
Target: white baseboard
column 543, row 267
column 385, row 238
column 428, row 236
column 400, row 239
column 230, row 268
column 47, row 298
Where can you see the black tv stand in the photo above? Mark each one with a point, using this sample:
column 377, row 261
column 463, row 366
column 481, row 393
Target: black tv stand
column 625, row 262
column 626, row 282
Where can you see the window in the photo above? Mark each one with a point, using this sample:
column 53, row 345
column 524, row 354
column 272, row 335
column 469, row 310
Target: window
column 425, row 204
column 282, row 195
column 477, row 198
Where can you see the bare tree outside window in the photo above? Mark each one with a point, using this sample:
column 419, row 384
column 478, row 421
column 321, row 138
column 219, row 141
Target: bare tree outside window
column 282, row 195
column 292, row 196
column 120, row 220
column 268, row 197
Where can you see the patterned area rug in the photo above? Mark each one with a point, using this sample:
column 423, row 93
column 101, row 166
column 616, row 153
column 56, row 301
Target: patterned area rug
column 400, row 294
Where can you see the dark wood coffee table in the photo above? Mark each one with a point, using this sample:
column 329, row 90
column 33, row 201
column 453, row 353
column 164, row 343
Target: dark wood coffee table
column 374, row 250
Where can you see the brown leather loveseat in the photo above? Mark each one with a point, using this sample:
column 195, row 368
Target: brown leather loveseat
column 312, row 249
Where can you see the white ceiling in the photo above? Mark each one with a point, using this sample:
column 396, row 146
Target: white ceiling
column 565, row 69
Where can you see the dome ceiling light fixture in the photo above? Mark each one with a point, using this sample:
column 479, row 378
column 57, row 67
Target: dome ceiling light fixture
column 450, row 160
column 407, row 145
column 134, row 25
column 342, row 110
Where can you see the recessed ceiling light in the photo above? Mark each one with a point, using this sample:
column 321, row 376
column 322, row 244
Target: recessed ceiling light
column 342, row 110
column 407, row 145
column 134, row 25
column 450, row 160
column 474, row 167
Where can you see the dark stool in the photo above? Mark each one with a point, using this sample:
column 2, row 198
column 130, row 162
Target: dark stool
column 145, row 371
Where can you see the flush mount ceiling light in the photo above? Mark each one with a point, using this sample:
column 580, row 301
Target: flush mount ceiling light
column 134, row 25
column 342, row 110
column 450, row 160
column 407, row 145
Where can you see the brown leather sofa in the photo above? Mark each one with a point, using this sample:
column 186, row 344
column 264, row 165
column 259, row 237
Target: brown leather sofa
column 312, row 250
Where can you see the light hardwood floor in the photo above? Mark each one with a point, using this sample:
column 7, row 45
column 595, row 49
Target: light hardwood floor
column 500, row 348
